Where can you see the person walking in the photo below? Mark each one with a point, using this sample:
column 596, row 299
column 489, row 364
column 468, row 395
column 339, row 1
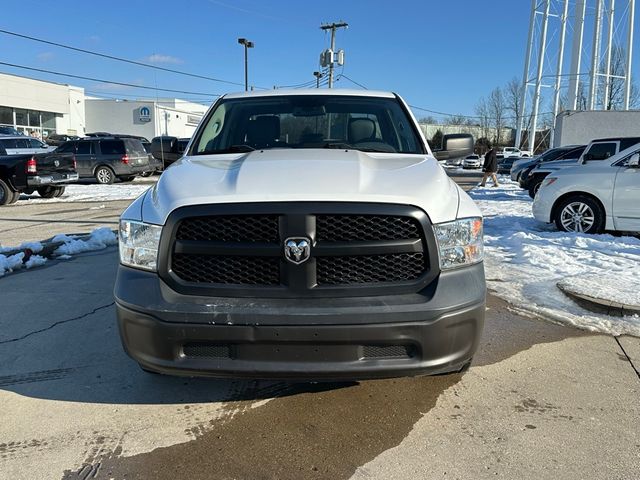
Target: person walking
column 490, row 167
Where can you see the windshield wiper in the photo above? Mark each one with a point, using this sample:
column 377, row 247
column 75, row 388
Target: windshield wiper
column 339, row 145
column 236, row 149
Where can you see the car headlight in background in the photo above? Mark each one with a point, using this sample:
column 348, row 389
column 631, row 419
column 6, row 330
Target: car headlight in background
column 460, row 242
column 139, row 244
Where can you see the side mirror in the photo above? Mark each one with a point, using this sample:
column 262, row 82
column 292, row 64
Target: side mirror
column 165, row 148
column 634, row 161
column 455, row 145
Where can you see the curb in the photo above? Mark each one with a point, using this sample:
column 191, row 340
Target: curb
column 600, row 305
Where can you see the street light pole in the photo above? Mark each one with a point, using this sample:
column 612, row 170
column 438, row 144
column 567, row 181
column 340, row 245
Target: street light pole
column 247, row 45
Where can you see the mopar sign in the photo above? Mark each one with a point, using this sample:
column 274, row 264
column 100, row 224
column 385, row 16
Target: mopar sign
column 144, row 115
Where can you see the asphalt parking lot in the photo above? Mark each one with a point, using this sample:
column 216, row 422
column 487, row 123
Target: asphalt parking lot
column 540, row 401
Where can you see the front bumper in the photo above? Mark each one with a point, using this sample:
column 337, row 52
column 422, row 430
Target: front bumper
column 51, row 179
column 433, row 331
column 542, row 206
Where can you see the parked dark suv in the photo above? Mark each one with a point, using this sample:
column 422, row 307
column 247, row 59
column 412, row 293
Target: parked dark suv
column 108, row 158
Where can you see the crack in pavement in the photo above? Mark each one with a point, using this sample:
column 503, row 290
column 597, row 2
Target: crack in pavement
column 60, row 322
column 628, row 357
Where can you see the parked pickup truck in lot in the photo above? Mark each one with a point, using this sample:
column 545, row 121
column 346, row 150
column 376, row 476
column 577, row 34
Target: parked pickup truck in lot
column 305, row 234
column 46, row 173
column 508, row 152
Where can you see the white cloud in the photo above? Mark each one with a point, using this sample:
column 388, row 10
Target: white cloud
column 158, row 58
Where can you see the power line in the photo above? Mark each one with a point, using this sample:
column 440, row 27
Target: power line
column 342, row 75
column 108, row 81
column 120, row 59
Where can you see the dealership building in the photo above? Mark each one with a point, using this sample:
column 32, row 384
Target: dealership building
column 47, row 107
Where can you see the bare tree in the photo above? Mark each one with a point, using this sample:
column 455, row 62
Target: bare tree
column 456, row 120
column 615, row 97
column 482, row 111
column 429, row 120
column 512, row 101
column 496, row 106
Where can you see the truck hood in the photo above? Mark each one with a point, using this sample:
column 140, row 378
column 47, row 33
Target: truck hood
column 557, row 164
column 281, row 175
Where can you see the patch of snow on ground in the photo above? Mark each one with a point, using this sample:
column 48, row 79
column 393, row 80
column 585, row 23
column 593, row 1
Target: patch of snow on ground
column 99, row 239
column 93, row 193
column 10, row 263
column 525, row 259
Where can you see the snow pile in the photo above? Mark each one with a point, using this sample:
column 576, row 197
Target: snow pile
column 99, row 239
column 617, row 291
column 525, row 259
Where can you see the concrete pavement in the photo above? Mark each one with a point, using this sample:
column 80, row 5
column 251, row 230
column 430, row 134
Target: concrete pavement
column 540, row 401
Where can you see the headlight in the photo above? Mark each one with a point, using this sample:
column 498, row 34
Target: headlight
column 139, row 244
column 459, row 242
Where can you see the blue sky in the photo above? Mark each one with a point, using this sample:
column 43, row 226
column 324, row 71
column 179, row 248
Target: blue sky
column 442, row 55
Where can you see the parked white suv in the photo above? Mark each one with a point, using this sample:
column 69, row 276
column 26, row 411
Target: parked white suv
column 593, row 196
column 304, row 234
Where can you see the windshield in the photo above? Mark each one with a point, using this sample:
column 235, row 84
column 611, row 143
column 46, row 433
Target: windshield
column 370, row 124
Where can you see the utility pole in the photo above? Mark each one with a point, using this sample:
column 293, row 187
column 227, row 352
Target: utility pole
column 247, row 45
column 331, row 52
column 318, row 76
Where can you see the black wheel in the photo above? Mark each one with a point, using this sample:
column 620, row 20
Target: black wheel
column 146, row 174
column 60, row 191
column 127, row 178
column 535, row 186
column 16, row 196
column 580, row 213
column 104, row 175
column 465, row 367
column 47, row 192
column 6, row 193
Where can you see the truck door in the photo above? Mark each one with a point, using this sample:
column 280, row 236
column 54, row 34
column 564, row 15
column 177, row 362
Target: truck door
column 626, row 199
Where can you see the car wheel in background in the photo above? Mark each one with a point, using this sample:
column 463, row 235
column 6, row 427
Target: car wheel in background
column 16, row 196
column 6, row 193
column 104, row 175
column 533, row 189
column 48, row 192
column 60, row 191
column 580, row 213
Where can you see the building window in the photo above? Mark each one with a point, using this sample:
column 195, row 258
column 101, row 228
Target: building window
column 21, row 117
column 34, row 118
column 6, row 115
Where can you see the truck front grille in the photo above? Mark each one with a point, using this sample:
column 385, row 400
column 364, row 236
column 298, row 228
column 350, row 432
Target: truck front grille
column 398, row 267
column 233, row 270
column 238, row 250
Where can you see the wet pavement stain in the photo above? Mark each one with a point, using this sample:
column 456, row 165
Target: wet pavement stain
column 319, row 430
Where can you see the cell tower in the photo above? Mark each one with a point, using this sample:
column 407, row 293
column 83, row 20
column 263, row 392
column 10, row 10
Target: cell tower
column 551, row 23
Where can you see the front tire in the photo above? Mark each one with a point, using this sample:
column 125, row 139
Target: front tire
column 104, row 175
column 580, row 214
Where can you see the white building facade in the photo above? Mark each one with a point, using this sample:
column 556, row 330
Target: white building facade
column 31, row 105
column 144, row 118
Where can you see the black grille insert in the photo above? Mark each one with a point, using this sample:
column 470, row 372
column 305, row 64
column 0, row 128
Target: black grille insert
column 234, row 270
column 349, row 228
column 362, row 269
column 236, row 228
column 386, row 351
column 207, row 350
